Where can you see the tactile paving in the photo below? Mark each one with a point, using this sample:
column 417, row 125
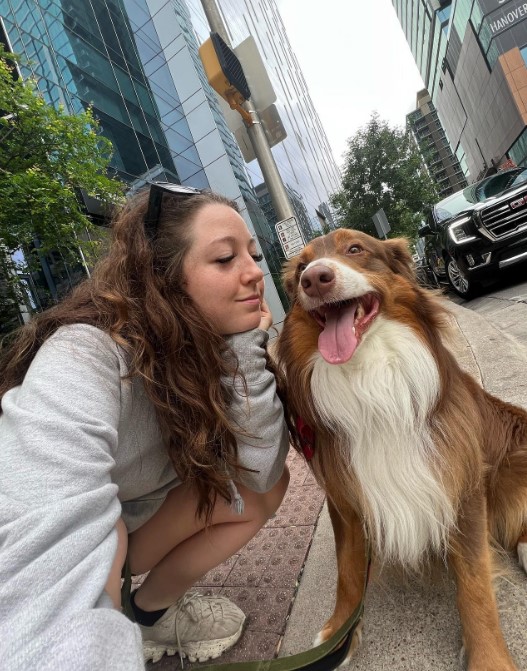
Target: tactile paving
column 262, row 578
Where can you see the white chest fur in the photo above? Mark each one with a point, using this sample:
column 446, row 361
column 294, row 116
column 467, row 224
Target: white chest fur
column 379, row 402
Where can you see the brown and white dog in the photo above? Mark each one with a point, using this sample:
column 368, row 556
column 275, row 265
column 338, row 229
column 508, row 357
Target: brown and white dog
column 408, row 447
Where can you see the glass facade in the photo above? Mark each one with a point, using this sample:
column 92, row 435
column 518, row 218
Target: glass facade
column 136, row 63
column 461, row 15
column 476, row 75
column 83, row 53
column 154, row 56
column 500, row 27
column 417, row 22
column 304, row 158
column 518, row 152
column 427, row 32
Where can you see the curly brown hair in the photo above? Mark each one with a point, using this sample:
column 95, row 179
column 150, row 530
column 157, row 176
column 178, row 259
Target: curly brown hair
column 136, row 295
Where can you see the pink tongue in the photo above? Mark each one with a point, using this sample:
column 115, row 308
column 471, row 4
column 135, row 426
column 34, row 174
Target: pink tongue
column 338, row 341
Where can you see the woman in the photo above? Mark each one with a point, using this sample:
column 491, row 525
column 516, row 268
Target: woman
column 139, row 420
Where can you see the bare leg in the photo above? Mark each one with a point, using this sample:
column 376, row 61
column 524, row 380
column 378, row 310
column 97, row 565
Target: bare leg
column 177, row 549
column 113, row 586
column 470, row 558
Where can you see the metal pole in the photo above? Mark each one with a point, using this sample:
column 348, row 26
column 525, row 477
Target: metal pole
column 262, row 150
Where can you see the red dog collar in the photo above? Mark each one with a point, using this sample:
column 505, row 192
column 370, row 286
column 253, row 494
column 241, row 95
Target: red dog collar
column 307, row 438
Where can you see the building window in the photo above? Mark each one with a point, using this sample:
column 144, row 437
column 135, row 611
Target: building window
column 523, row 52
column 518, row 151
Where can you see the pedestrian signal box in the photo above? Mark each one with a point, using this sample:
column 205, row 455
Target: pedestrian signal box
column 224, row 71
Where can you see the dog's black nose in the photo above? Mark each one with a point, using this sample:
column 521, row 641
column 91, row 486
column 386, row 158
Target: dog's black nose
column 317, row 281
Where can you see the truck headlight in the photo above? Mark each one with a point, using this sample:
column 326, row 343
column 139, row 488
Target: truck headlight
column 459, row 231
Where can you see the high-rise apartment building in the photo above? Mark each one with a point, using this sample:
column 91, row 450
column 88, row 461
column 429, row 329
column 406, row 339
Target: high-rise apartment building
column 472, row 55
column 304, row 158
column 430, row 138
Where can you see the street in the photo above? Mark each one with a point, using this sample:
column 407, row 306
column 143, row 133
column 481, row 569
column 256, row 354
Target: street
column 503, row 304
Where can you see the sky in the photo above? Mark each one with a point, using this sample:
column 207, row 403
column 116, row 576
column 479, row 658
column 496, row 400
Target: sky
column 355, row 60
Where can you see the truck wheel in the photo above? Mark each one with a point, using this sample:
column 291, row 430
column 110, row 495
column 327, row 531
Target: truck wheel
column 459, row 282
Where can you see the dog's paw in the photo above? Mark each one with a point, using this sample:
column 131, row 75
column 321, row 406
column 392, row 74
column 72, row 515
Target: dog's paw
column 324, row 634
column 522, row 556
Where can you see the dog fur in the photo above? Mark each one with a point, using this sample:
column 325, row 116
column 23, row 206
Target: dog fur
column 410, row 450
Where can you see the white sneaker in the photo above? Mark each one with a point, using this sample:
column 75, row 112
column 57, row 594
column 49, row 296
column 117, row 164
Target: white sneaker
column 198, row 627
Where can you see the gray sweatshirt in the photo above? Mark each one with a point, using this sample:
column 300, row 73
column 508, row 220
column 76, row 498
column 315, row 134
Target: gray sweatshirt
column 79, row 447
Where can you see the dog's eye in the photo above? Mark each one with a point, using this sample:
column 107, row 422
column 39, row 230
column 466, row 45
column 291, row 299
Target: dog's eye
column 301, row 267
column 354, row 249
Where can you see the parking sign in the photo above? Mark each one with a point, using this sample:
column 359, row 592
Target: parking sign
column 290, row 237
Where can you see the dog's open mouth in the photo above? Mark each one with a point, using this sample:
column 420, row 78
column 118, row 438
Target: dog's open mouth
column 343, row 325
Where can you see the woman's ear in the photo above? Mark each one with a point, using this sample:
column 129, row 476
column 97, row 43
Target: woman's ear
column 400, row 259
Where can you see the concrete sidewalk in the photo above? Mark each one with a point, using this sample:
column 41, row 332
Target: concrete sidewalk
column 284, row 579
column 416, row 625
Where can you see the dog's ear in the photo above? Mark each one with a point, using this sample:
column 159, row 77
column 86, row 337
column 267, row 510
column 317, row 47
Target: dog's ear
column 289, row 277
column 400, row 259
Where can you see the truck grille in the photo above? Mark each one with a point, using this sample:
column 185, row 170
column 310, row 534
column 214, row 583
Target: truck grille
column 501, row 220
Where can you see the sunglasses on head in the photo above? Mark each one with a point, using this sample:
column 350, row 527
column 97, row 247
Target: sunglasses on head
column 155, row 199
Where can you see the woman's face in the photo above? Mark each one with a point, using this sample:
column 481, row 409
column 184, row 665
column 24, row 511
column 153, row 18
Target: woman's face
column 220, row 270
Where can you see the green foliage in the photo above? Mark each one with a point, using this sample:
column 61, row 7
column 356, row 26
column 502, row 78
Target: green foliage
column 46, row 157
column 383, row 169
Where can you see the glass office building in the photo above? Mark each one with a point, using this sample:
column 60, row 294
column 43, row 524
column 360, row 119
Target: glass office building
column 135, row 62
column 304, row 158
column 425, row 24
column 472, row 55
column 84, row 53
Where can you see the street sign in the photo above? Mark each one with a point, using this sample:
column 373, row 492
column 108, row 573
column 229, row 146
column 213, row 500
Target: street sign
column 262, row 91
column 273, row 129
column 290, row 236
column 224, row 70
column 382, row 226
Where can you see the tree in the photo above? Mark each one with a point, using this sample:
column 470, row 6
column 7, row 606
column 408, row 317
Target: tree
column 46, row 157
column 383, row 169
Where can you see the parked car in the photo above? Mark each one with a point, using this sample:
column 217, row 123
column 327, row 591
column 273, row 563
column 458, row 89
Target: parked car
column 473, row 234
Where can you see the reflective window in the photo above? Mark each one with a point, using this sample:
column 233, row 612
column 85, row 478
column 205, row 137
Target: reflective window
column 461, row 16
column 149, row 150
column 518, row 151
column 137, row 13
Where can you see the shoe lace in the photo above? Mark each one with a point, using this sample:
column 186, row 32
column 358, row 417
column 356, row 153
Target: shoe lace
column 190, row 602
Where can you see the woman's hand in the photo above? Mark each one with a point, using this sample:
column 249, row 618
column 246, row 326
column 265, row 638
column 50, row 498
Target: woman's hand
column 266, row 319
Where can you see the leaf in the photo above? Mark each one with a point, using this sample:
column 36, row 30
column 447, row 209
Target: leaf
column 383, row 169
column 46, row 157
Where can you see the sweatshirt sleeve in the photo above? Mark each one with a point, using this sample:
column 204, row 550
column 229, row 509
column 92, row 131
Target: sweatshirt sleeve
column 59, row 507
column 263, row 439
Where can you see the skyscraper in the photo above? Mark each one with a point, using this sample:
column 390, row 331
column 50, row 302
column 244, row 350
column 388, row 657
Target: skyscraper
column 472, row 55
column 136, row 63
column 430, row 138
column 304, row 158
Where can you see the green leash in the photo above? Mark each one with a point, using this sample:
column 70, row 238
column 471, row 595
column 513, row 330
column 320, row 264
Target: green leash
column 324, row 657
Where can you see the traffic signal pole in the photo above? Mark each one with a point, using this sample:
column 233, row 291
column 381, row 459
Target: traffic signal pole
column 261, row 148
